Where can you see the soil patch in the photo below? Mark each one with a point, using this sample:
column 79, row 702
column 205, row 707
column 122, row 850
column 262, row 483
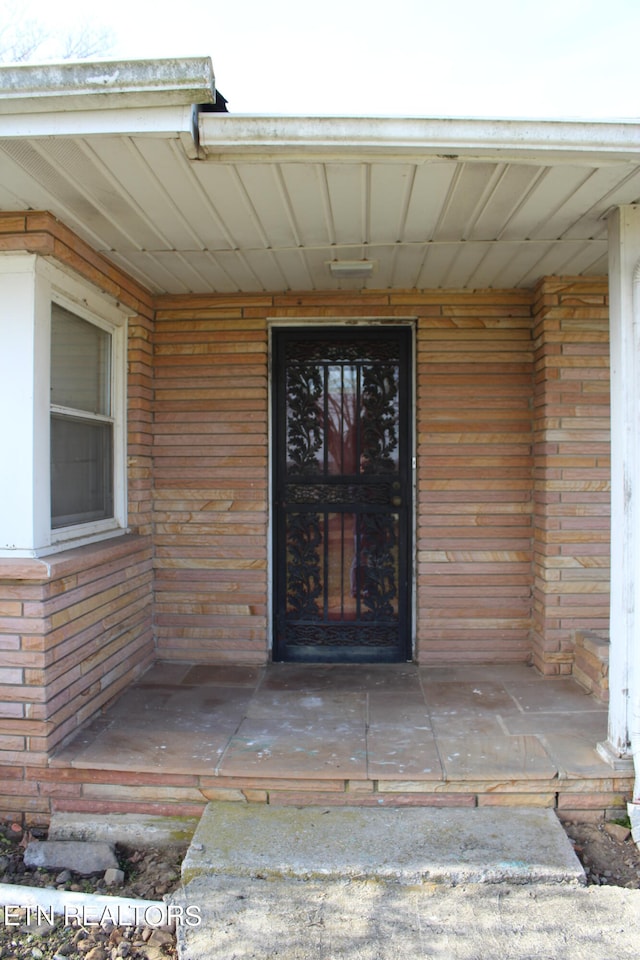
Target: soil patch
column 607, row 859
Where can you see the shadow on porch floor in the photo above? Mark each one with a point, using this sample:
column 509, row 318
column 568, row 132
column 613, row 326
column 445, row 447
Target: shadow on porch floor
column 460, row 735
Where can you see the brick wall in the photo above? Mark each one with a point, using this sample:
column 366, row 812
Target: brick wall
column 572, row 475
column 76, row 627
column 474, row 476
column 474, row 395
column 210, row 480
column 78, row 634
column 40, row 233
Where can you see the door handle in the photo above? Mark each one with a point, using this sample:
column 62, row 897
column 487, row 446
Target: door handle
column 396, row 501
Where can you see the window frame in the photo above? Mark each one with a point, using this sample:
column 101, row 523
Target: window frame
column 28, row 284
column 108, row 318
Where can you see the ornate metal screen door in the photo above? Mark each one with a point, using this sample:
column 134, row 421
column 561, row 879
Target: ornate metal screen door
column 342, row 494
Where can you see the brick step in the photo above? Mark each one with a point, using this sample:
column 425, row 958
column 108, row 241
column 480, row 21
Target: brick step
column 591, row 663
column 88, row 790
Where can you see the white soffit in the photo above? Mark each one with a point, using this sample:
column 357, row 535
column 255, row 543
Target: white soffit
column 265, row 204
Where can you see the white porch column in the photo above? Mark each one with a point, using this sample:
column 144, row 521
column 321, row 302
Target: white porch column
column 24, row 405
column 624, row 667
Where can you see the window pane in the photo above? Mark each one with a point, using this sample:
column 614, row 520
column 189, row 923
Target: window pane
column 81, row 471
column 80, row 363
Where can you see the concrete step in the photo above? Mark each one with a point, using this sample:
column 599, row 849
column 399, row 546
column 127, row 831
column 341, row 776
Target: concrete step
column 280, row 883
column 399, row 844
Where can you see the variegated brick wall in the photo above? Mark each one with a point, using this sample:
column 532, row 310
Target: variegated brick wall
column 473, row 445
column 474, row 476
column 210, row 480
column 76, row 627
column 572, row 467
column 512, row 495
column 486, row 379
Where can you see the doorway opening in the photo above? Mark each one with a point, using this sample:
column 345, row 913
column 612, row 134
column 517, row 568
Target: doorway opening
column 342, row 494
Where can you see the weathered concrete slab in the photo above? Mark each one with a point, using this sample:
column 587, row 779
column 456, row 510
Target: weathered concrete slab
column 83, row 857
column 404, row 845
column 132, row 829
column 371, row 920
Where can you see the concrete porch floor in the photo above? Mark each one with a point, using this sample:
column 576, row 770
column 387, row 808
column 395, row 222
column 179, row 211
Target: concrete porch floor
column 391, row 734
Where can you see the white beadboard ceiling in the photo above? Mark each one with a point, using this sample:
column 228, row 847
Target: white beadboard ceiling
column 256, row 209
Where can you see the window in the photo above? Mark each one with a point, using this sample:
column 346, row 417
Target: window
column 83, row 424
column 63, row 382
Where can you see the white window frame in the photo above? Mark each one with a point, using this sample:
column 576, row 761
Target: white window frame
column 117, row 332
column 29, row 284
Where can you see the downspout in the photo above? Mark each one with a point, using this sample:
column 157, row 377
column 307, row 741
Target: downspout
column 87, row 908
column 634, row 666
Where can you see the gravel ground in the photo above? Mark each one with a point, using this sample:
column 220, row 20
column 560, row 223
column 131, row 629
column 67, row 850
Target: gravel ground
column 607, row 852
column 149, row 875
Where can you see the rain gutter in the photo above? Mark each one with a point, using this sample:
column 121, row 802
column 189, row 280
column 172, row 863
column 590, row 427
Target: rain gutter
column 126, row 97
column 530, row 140
column 89, row 85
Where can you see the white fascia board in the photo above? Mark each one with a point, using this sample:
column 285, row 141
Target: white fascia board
column 150, row 121
column 301, row 137
column 166, row 123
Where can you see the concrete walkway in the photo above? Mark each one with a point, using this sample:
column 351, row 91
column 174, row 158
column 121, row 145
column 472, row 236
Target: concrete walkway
column 368, row 884
column 367, row 920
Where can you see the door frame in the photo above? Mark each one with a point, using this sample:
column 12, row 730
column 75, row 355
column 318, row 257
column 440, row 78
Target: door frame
column 274, row 324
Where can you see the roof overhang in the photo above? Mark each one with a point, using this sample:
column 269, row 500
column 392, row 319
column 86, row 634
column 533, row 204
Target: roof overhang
column 189, row 201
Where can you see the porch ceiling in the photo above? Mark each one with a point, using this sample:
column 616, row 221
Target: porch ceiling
column 250, row 204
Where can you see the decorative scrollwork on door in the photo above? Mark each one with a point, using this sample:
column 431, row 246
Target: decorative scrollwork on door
column 379, row 418
column 379, row 564
column 305, row 422
column 342, row 490
column 329, row 493
column 304, row 580
column 328, row 351
column 328, row 635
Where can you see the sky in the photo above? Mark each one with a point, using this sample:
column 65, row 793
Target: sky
column 412, row 58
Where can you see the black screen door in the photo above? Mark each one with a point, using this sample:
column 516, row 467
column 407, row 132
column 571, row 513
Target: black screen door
column 342, row 494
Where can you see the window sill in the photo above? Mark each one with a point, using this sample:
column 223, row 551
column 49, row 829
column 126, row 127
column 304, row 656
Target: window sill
column 71, row 559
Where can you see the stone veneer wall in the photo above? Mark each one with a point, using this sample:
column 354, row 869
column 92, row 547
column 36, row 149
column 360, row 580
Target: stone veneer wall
column 474, row 368
column 473, row 439
column 572, row 468
column 76, row 627
column 210, row 479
